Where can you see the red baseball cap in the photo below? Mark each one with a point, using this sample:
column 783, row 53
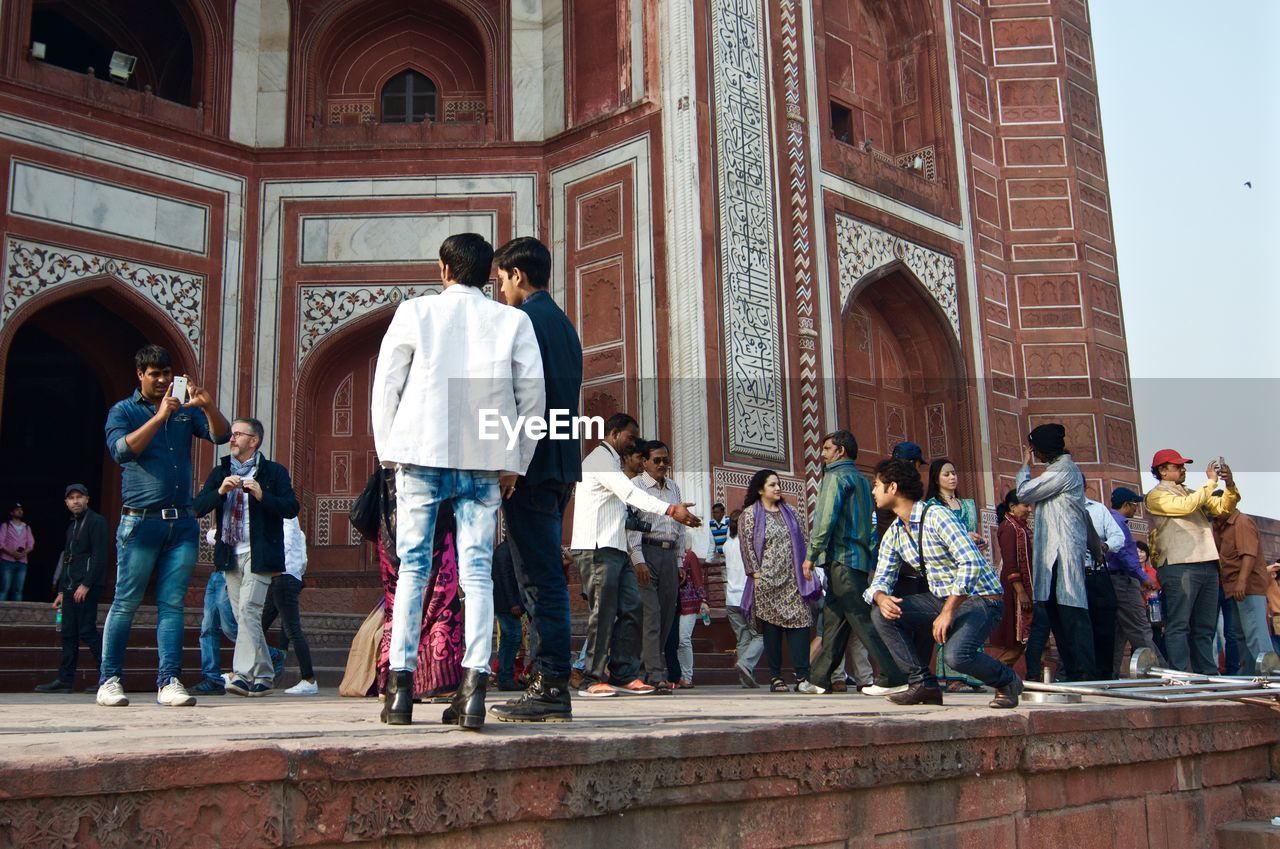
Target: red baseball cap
column 1168, row 455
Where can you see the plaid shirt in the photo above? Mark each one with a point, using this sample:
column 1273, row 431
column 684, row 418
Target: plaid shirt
column 953, row 564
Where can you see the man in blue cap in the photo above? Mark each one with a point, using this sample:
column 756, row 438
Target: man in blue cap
column 1129, row 580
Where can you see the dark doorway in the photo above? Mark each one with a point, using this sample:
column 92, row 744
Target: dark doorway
column 64, row 369
column 82, row 34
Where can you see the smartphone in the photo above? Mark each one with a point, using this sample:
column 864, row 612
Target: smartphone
column 1221, row 462
column 180, row 388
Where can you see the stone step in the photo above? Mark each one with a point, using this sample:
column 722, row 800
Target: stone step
column 1261, row 800
column 1248, row 834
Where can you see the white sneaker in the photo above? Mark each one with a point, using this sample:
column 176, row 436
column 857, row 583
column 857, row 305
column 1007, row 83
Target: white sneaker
column 809, row 688
column 174, row 694
column 111, row 693
column 303, row 688
column 877, row 690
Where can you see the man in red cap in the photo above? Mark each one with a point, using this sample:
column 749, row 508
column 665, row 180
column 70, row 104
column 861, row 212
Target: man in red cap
column 1186, row 556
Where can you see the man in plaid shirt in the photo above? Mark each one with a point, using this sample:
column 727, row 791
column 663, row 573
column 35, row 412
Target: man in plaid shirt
column 958, row 603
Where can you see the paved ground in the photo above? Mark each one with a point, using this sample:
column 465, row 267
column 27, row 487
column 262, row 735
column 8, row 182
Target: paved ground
column 40, row 728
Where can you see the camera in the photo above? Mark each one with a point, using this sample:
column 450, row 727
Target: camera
column 635, row 523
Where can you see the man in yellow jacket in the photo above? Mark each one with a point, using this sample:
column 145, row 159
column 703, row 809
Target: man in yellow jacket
column 1186, row 556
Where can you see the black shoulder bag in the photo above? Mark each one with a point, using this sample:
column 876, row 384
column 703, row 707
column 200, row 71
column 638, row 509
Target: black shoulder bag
column 366, row 511
column 912, row 581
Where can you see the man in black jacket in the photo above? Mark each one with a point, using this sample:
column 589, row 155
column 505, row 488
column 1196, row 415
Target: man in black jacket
column 79, row 582
column 534, row 504
column 253, row 497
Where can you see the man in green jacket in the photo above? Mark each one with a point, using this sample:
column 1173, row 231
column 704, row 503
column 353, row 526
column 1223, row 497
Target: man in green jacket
column 841, row 543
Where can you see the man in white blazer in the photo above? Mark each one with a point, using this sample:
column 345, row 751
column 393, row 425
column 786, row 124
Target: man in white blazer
column 449, row 363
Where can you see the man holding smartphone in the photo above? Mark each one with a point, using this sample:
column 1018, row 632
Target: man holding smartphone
column 149, row 434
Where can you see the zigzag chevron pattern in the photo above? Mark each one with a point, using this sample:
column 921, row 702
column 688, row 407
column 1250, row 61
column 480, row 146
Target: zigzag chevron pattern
column 802, row 248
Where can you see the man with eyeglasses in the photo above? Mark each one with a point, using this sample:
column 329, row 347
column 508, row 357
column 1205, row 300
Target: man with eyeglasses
column 253, row 497
column 149, row 434
column 655, row 556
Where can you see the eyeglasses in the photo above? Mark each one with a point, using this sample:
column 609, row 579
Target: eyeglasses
column 242, row 434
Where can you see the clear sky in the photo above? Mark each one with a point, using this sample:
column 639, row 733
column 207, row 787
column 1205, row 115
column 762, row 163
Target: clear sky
column 1190, row 99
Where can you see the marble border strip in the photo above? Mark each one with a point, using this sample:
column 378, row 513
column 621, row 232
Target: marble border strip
column 743, row 137
column 635, row 153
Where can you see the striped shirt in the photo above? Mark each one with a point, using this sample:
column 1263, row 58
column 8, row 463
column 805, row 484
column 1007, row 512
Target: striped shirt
column 719, row 534
column 664, row 527
column 953, row 565
column 600, row 502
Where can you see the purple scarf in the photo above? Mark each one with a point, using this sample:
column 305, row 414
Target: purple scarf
column 810, row 588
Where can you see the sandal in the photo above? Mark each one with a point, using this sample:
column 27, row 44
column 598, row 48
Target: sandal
column 778, row 686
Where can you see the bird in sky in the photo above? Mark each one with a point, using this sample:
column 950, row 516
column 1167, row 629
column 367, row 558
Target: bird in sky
column 1248, row 184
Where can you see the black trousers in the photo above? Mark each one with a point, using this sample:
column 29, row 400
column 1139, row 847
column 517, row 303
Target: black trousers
column 535, row 519
column 1072, row 631
column 282, row 599
column 79, row 624
column 845, row 613
column 1101, row 594
column 798, row 643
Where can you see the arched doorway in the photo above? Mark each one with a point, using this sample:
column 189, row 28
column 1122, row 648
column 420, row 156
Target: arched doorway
column 333, row 452
column 64, row 366
column 904, row 374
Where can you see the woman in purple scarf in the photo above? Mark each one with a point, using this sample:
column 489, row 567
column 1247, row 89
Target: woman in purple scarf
column 773, row 548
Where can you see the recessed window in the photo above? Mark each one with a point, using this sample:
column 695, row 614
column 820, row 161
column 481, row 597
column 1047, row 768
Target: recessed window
column 408, row 98
column 841, row 123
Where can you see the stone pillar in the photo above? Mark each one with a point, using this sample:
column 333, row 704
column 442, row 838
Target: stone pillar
column 260, row 72
column 537, row 69
column 686, row 339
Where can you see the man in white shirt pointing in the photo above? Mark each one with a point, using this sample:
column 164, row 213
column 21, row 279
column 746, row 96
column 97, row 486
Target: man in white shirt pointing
column 446, row 361
column 599, row 549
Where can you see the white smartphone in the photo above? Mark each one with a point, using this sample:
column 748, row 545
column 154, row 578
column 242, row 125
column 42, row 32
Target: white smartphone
column 180, row 388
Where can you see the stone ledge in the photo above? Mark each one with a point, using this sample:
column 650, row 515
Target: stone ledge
column 279, row 772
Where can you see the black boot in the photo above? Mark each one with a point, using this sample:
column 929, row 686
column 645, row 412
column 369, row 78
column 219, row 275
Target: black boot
column 546, row 700
column 467, row 709
column 398, row 707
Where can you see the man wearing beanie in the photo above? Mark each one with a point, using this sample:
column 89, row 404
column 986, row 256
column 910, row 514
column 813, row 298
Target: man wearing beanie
column 1186, row 556
column 1059, row 548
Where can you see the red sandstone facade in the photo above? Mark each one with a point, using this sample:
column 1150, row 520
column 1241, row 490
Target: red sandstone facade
column 769, row 219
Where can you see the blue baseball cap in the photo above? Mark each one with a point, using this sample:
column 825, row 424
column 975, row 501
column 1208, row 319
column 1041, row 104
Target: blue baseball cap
column 907, row 451
column 1123, row 495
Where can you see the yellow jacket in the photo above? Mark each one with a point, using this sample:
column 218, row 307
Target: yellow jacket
column 1181, row 532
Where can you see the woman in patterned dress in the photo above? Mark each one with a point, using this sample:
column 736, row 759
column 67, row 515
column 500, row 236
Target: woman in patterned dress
column 773, row 547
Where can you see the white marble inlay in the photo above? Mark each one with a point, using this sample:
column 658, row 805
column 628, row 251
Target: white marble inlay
column 748, row 245
column 106, row 208
column 385, row 238
column 862, row 249
column 31, row 269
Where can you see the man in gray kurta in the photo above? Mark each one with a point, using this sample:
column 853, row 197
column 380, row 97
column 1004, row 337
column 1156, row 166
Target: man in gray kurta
column 1059, row 549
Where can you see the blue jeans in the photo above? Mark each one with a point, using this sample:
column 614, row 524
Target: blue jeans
column 1250, row 626
column 535, row 521
column 1191, row 615
column 12, row 578
column 143, row 546
column 509, row 632
column 219, row 620
column 420, row 490
column 974, row 621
